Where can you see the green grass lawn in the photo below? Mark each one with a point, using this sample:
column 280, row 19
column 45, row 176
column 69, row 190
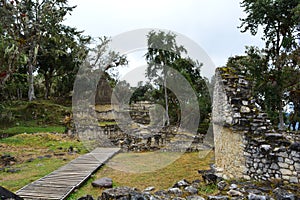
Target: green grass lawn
column 29, row 172
column 185, row 167
column 30, row 129
column 126, row 169
column 36, row 155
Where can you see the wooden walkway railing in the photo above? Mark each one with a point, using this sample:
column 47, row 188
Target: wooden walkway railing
column 60, row 183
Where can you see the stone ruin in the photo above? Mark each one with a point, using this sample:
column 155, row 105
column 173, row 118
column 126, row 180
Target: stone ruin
column 139, row 136
column 246, row 144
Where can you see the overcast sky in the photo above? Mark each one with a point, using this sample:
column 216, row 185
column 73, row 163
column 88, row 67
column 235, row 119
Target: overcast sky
column 212, row 24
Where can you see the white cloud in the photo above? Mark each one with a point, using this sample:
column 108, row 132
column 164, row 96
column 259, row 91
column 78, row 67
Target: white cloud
column 211, row 24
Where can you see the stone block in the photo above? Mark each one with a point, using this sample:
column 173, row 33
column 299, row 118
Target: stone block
column 245, row 109
column 294, row 179
column 289, row 161
column 280, row 159
column 297, row 167
column 283, row 165
column 286, row 172
column 274, row 166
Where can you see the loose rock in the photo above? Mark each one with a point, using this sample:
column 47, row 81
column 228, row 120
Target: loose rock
column 281, row 194
column 194, row 197
column 252, row 196
column 221, row 185
column 182, row 183
column 87, row 197
column 218, row 197
column 124, row 193
column 6, row 194
column 103, row 183
column 235, row 193
column 191, row 190
column 175, row 191
column 149, row 189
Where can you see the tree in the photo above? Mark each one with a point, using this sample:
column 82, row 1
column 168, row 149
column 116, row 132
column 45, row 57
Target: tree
column 280, row 23
column 162, row 52
column 61, row 54
column 31, row 24
column 11, row 45
column 191, row 70
column 101, row 62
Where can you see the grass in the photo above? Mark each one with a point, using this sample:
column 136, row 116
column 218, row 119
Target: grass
column 138, row 170
column 31, row 117
column 26, row 175
column 29, row 129
column 39, row 113
column 36, row 155
column 185, row 167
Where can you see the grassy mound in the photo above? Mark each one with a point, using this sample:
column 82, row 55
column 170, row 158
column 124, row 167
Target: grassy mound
column 31, row 117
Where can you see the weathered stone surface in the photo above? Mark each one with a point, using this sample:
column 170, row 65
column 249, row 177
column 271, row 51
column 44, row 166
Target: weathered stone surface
column 181, row 183
column 7, row 160
column 194, row 197
column 124, row 193
column 286, row 172
column 233, row 186
column 245, row 109
column 274, row 166
column 218, row 197
column 265, row 148
column 283, row 165
column 295, row 146
column 210, row 178
column 161, row 194
column 294, row 179
column 191, row 190
column 281, row 194
column 149, row 189
column 235, row 193
column 87, row 197
column 221, row 185
column 175, row 191
column 249, row 146
column 252, row 196
column 103, row 183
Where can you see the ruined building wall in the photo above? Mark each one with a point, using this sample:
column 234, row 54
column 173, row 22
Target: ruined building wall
column 227, row 142
column 246, row 145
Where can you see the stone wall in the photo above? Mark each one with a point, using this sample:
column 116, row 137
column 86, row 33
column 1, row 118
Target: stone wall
column 227, row 141
column 140, row 134
column 246, row 144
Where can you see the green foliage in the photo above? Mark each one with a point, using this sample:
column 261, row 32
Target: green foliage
column 163, row 52
column 142, row 92
column 275, row 68
column 34, row 38
column 279, row 20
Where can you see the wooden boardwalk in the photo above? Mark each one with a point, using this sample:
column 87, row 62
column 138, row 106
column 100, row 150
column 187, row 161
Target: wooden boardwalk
column 60, row 183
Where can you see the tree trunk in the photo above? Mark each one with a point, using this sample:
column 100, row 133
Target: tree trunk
column 166, row 100
column 47, row 86
column 281, row 120
column 31, row 95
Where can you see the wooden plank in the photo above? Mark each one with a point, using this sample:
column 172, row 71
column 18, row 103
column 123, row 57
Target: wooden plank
column 60, row 183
